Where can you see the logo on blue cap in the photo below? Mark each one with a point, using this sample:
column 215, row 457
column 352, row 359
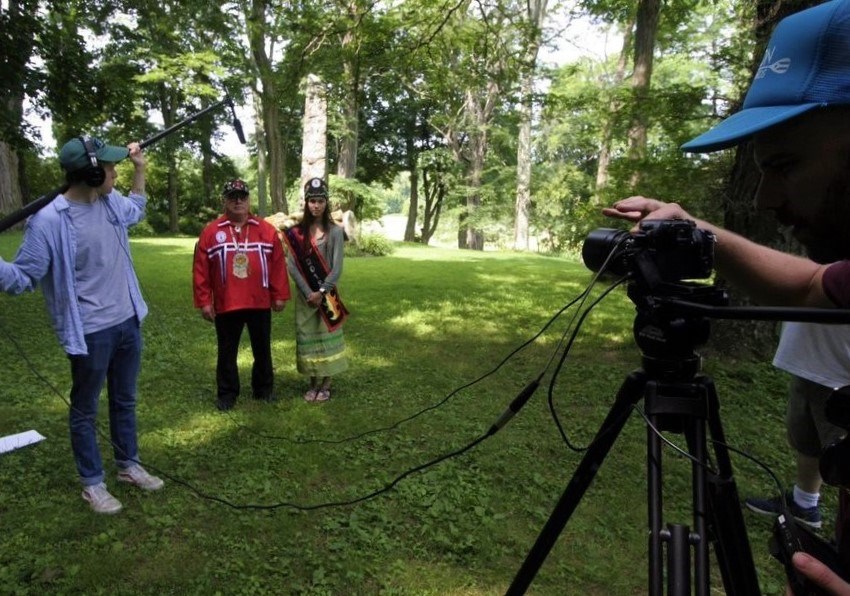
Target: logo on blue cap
column 806, row 65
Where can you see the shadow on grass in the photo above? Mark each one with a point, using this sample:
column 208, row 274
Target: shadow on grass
column 424, row 322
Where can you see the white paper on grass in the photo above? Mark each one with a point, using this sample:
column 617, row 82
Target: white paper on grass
column 12, row 442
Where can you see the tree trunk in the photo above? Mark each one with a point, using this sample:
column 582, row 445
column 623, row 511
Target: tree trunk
column 479, row 116
column 314, row 148
column 646, row 29
column 274, row 147
column 21, row 36
column 413, row 206
column 523, row 163
column 474, row 237
column 536, row 13
column 168, row 108
column 173, row 203
column 614, row 108
column 347, row 164
column 268, row 99
column 349, row 136
column 434, row 189
column 262, row 156
column 210, row 194
column 10, row 188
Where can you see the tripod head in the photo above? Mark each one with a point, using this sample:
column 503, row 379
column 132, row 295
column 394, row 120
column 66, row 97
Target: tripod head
column 668, row 338
column 656, row 259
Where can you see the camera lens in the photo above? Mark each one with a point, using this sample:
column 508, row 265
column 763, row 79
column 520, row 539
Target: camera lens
column 599, row 244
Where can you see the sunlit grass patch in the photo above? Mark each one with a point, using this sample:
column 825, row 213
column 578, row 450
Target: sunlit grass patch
column 424, row 322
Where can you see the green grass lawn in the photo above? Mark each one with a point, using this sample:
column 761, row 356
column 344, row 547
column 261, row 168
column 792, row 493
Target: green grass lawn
column 243, row 510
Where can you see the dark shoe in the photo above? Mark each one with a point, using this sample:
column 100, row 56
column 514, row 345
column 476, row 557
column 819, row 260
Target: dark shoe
column 267, row 398
column 223, row 404
column 773, row 506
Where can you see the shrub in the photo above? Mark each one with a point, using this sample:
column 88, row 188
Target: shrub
column 376, row 245
column 143, row 229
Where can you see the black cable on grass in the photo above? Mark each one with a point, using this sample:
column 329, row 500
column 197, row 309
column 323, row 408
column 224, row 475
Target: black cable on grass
column 424, row 410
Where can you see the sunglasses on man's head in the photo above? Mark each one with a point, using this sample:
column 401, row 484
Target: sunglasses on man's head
column 237, row 197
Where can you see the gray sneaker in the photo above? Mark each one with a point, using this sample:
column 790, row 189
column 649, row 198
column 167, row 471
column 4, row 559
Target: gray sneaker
column 100, row 500
column 138, row 476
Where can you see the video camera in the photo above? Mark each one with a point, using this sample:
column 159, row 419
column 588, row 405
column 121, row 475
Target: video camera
column 656, row 259
column 666, row 250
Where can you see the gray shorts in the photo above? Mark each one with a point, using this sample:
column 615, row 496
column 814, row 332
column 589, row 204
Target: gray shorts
column 808, row 429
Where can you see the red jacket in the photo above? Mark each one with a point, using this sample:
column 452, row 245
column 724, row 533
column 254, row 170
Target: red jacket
column 213, row 276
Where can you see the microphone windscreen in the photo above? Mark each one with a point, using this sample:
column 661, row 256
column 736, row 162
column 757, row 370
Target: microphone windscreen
column 239, row 134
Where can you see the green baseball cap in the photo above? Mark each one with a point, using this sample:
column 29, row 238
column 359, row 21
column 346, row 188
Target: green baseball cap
column 75, row 156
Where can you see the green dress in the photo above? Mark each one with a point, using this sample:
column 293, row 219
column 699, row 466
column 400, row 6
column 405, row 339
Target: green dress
column 318, row 352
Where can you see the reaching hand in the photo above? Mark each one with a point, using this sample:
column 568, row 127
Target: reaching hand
column 278, row 305
column 820, row 574
column 637, row 209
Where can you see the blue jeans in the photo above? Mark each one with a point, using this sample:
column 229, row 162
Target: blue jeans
column 114, row 357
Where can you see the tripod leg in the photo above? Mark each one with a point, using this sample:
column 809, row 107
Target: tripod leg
column 630, row 393
column 680, row 408
column 732, row 546
column 654, row 495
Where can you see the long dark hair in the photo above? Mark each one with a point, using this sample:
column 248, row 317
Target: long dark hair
column 308, row 219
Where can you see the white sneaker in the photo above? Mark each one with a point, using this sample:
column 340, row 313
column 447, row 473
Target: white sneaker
column 100, row 500
column 139, row 476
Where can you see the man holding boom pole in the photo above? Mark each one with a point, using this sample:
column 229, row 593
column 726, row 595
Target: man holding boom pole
column 78, row 248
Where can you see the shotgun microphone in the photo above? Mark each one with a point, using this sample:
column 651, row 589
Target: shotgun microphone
column 236, row 124
column 239, row 134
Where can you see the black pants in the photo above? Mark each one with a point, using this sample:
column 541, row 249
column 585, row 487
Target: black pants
column 228, row 330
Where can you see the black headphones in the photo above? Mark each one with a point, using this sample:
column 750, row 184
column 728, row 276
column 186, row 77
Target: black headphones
column 93, row 174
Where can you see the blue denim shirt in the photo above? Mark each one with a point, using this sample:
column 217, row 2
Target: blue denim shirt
column 47, row 255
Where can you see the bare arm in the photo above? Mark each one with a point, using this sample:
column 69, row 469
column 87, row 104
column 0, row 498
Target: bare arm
column 769, row 276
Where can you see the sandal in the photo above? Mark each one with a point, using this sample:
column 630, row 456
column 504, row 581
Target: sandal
column 310, row 395
column 323, row 394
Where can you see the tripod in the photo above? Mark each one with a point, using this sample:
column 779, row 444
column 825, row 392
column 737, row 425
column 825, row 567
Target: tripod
column 676, row 399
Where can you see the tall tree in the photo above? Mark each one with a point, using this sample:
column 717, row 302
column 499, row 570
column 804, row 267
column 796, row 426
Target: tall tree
column 533, row 26
column 479, row 53
column 19, row 26
column 261, row 37
column 350, row 46
column 646, row 29
column 615, row 104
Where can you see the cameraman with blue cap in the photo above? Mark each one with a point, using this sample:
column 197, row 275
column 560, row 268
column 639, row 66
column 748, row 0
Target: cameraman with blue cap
column 797, row 115
column 77, row 248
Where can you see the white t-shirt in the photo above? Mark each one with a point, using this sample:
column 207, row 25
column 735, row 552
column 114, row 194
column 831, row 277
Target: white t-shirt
column 815, row 352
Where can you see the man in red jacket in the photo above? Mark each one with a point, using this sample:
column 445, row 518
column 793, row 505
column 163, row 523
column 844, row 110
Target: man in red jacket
column 239, row 278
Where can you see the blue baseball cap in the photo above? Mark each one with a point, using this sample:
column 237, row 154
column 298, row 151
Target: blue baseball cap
column 806, row 65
